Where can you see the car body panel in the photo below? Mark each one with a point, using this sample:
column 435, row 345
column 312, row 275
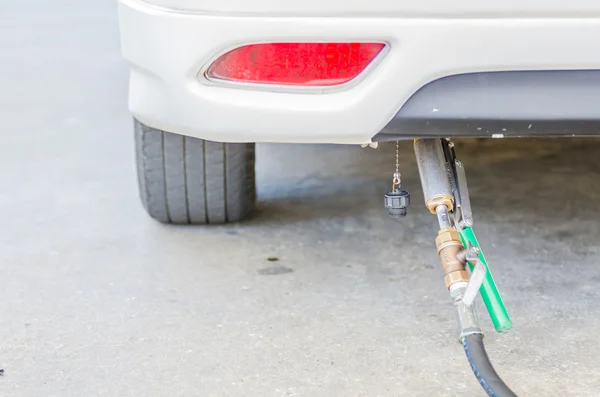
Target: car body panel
column 169, row 52
column 388, row 8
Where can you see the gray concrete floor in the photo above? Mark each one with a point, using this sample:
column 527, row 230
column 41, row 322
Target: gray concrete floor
column 96, row 299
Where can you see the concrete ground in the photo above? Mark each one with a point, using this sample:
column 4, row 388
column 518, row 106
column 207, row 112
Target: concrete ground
column 96, row 299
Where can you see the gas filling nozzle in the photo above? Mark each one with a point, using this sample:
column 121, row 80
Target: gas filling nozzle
column 441, row 183
column 457, row 246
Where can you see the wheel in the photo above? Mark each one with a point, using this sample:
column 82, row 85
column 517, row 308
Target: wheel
column 187, row 180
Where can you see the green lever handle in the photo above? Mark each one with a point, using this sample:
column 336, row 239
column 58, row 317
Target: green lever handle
column 489, row 292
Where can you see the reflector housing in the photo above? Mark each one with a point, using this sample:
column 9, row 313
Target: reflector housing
column 297, row 64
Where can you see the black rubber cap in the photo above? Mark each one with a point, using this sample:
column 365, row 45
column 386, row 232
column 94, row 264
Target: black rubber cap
column 397, row 203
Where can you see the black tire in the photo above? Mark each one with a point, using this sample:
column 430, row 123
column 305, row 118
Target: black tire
column 186, row 180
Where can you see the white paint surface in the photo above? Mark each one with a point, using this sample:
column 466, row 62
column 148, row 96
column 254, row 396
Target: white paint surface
column 168, row 51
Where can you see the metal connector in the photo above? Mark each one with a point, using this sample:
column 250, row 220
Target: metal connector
column 466, row 315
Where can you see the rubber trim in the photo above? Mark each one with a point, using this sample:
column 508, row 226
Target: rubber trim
column 399, row 129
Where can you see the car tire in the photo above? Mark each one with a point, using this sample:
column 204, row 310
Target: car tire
column 185, row 180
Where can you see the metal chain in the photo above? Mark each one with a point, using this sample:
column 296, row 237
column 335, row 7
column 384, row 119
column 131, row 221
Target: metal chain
column 396, row 182
column 397, row 157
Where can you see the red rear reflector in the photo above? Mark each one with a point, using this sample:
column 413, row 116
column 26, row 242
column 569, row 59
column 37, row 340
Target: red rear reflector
column 303, row 64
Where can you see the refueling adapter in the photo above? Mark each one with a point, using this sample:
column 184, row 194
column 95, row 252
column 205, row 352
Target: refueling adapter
column 446, row 196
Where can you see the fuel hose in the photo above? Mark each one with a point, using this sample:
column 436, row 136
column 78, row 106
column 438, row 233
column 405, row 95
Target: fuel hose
column 482, row 367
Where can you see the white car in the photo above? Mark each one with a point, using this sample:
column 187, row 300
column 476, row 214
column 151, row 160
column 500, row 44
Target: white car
column 210, row 78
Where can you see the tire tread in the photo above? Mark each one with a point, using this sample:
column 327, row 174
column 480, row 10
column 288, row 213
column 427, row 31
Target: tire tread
column 185, row 180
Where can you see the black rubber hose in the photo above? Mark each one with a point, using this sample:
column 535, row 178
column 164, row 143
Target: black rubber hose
column 483, row 369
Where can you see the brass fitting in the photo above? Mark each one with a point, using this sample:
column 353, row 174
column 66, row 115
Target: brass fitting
column 440, row 199
column 449, row 249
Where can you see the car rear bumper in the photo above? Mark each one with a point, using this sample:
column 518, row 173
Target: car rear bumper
column 168, row 52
